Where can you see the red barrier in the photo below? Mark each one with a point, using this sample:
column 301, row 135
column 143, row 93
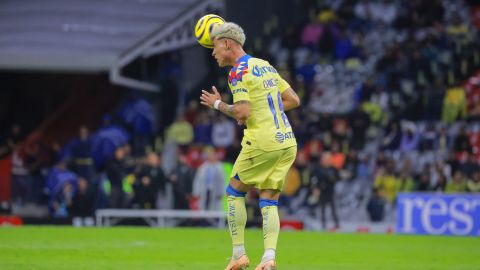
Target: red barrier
column 294, row 225
column 5, row 178
column 10, row 221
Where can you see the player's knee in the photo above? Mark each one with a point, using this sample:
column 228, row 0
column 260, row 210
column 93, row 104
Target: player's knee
column 235, row 193
column 266, row 202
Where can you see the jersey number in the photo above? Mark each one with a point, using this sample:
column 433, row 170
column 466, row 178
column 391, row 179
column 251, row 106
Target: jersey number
column 274, row 111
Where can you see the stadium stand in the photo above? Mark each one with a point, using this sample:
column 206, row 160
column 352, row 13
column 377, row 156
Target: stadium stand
column 391, row 90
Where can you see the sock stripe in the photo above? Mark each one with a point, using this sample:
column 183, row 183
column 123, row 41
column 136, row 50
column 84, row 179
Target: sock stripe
column 265, row 202
column 233, row 192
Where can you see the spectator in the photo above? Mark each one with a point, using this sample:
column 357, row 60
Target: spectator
column 462, row 141
column 83, row 202
column 458, row 183
column 325, row 122
column 337, row 157
column 209, row 182
column 458, row 30
column 359, row 123
column 21, row 180
column 391, row 141
column 365, row 91
column 440, row 170
column 312, row 149
column 145, row 192
column 442, row 141
column 323, row 180
column 469, row 166
column 203, row 129
column 223, row 132
column 151, row 184
column 180, row 131
column 82, row 155
column 386, row 182
column 181, row 179
column 473, row 185
column 14, row 137
column 351, row 165
column 405, row 182
column 116, row 172
column 441, row 184
column 376, row 206
column 344, row 48
column 409, row 140
column 427, row 138
column 63, row 200
column 423, row 183
column 312, row 32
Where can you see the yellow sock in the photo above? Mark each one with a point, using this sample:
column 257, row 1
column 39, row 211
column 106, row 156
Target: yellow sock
column 237, row 219
column 271, row 226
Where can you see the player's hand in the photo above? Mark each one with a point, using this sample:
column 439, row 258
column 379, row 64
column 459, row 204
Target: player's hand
column 240, row 122
column 208, row 99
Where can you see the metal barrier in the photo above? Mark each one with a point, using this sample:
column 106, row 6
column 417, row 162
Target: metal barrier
column 156, row 218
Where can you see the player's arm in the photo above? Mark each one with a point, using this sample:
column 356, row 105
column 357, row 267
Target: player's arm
column 240, row 110
column 290, row 99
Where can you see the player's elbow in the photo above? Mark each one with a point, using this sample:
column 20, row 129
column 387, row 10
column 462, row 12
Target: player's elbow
column 241, row 110
column 296, row 101
column 242, row 115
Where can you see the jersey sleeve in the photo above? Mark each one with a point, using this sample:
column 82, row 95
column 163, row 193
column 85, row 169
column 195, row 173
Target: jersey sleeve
column 240, row 88
column 282, row 84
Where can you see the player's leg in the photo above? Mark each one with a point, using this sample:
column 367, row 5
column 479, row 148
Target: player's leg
column 269, row 195
column 237, row 219
column 271, row 226
column 334, row 213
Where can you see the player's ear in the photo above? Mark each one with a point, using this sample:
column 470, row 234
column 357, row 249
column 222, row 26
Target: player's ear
column 227, row 44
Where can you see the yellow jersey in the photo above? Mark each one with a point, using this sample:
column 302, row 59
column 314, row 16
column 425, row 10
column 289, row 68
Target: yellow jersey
column 255, row 80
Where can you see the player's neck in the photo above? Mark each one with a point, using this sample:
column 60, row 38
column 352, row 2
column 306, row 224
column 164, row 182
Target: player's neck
column 237, row 54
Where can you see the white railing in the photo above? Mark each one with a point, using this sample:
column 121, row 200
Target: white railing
column 157, row 218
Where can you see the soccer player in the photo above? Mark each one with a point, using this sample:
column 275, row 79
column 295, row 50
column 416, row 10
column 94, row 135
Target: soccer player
column 260, row 99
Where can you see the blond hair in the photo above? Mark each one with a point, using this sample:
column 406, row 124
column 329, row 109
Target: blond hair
column 229, row 30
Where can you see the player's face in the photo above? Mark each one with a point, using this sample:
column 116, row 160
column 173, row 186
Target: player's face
column 221, row 52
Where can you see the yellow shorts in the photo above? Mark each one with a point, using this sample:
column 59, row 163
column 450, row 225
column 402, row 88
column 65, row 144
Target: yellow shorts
column 262, row 169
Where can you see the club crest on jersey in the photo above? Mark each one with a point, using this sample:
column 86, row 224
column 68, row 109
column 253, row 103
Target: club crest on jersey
column 237, row 72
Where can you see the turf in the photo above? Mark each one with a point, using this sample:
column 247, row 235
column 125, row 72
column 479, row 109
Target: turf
column 171, row 249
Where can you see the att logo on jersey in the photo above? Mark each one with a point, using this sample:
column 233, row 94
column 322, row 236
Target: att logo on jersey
column 280, row 137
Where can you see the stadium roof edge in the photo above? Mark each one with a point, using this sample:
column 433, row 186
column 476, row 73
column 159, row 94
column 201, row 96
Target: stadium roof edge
column 173, row 35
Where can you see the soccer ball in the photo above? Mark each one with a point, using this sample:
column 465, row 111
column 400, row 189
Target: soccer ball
column 204, row 27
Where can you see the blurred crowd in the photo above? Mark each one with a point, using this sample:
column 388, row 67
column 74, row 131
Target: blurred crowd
column 391, row 103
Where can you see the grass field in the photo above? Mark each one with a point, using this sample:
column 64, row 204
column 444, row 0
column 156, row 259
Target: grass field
column 202, row 249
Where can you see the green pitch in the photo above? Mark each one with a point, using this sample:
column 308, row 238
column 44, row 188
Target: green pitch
column 171, row 249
